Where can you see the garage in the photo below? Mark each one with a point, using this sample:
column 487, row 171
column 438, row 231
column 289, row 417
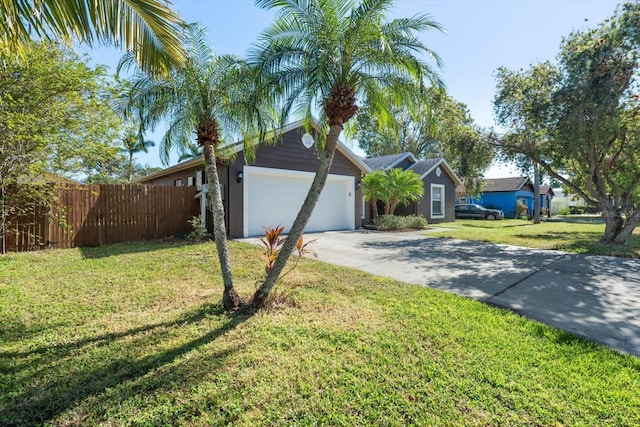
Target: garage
column 273, row 197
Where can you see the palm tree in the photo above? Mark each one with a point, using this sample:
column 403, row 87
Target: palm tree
column 133, row 142
column 211, row 96
column 148, row 28
column 320, row 56
column 193, row 151
column 400, row 187
column 372, row 189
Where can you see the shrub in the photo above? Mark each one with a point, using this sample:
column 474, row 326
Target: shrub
column 418, row 222
column 393, row 222
column 198, row 230
column 564, row 211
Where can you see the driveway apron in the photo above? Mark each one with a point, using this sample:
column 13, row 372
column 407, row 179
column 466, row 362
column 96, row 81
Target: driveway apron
column 595, row 297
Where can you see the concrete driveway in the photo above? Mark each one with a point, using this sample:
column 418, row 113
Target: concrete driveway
column 592, row 296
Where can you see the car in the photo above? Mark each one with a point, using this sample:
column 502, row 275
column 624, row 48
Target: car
column 477, row 212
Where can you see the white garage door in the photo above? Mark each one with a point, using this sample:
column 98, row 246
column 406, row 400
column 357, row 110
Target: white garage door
column 273, row 197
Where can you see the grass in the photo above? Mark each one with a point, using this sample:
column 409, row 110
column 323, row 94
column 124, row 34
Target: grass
column 570, row 234
column 133, row 334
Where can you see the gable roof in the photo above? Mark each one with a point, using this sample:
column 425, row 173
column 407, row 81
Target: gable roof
column 426, row 166
column 505, row 184
column 389, row 161
column 239, row 146
column 546, row 189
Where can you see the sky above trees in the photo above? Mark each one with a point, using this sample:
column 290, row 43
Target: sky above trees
column 481, row 36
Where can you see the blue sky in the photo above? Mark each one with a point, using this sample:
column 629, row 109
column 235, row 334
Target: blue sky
column 481, row 35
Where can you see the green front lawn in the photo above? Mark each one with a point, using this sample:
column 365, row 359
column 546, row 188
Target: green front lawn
column 134, row 334
column 573, row 234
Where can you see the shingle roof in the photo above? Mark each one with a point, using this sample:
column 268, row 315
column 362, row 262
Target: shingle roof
column 424, row 165
column 544, row 189
column 385, row 162
column 505, row 184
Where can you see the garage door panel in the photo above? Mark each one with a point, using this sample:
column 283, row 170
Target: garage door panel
column 274, row 197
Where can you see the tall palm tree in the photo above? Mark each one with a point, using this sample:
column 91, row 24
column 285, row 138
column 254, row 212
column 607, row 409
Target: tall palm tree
column 210, row 95
column 148, row 28
column 133, row 142
column 321, row 56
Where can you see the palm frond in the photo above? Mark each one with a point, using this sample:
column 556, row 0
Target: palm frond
column 150, row 29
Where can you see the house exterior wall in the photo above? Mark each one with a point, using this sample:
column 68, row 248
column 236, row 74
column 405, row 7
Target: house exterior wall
column 505, row 201
column 288, row 154
column 423, row 206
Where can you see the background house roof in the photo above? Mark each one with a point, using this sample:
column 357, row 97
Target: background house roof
column 544, row 189
column 424, row 165
column 388, row 161
column 505, row 184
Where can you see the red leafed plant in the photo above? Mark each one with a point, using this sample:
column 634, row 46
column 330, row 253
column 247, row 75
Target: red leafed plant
column 273, row 242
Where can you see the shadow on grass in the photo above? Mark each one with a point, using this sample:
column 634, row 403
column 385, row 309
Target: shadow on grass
column 103, row 251
column 41, row 400
column 63, row 349
column 495, row 225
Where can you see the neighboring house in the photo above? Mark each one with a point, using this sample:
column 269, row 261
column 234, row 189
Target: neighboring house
column 562, row 201
column 503, row 194
column 546, row 197
column 270, row 191
column 439, row 181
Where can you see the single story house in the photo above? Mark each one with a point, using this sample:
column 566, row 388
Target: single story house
column 439, row 181
column 270, row 191
column 546, row 196
column 503, row 194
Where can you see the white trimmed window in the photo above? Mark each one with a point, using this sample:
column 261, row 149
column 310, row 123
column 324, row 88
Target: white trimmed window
column 437, row 201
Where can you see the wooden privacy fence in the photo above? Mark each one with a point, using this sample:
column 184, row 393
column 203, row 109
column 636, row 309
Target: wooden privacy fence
column 101, row 214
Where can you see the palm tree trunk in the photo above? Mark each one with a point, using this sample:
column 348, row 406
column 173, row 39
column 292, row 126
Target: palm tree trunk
column 230, row 298
column 130, row 166
column 374, row 208
column 326, row 159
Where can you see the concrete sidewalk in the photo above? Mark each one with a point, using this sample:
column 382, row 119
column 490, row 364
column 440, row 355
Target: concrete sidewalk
column 595, row 297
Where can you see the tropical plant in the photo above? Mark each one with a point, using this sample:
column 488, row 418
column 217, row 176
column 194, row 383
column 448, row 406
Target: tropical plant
column 392, row 187
column 210, row 95
column 192, row 151
column 323, row 56
column 147, row 28
column 372, row 188
column 273, row 241
column 133, row 142
column 400, row 187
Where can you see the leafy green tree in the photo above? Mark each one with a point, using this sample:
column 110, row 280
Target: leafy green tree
column 579, row 120
column 54, row 115
column 324, row 55
column 433, row 125
column 210, row 95
column 148, row 28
